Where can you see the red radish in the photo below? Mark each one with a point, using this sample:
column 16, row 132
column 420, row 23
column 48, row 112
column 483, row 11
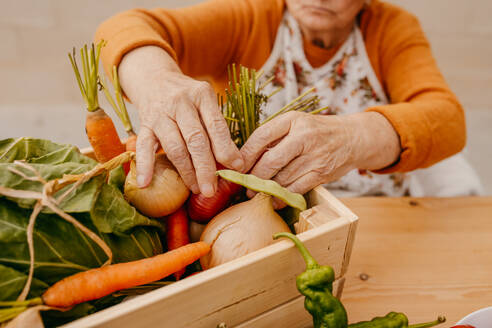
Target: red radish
column 177, row 233
column 203, row 209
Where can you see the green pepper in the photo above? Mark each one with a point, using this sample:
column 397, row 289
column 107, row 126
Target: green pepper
column 394, row 320
column 316, row 283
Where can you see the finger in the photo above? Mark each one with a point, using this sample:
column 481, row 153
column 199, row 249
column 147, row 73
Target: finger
column 305, row 183
column 198, row 145
column 264, row 136
column 293, row 171
column 175, row 148
column 145, row 149
column 223, row 147
column 276, row 158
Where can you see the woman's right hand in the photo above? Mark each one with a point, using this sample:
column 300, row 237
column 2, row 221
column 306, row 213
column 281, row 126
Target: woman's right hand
column 182, row 115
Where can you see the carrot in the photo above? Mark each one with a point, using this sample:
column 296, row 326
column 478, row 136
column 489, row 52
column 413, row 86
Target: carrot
column 99, row 127
column 118, row 104
column 103, row 136
column 177, row 233
column 96, row 283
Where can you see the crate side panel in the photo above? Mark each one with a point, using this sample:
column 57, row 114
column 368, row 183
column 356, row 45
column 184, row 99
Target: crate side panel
column 234, row 292
column 291, row 314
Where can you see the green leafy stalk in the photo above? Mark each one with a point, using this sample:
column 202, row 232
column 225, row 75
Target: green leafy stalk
column 88, row 82
column 244, row 102
column 118, row 106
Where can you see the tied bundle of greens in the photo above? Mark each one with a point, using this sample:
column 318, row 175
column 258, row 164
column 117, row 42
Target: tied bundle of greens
column 61, row 248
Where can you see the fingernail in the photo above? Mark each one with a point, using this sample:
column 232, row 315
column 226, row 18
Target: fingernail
column 140, row 181
column 238, row 164
column 207, row 190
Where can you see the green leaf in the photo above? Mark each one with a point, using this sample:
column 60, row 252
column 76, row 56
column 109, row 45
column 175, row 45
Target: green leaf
column 112, row 213
column 60, row 248
column 12, row 282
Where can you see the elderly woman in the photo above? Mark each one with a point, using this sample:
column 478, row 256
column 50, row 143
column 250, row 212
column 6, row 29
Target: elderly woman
column 368, row 60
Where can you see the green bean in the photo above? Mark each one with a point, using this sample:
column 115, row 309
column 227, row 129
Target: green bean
column 268, row 187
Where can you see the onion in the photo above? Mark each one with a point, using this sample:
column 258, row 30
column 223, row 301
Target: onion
column 241, row 229
column 165, row 194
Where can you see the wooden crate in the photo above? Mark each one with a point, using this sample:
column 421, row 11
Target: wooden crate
column 256, row 290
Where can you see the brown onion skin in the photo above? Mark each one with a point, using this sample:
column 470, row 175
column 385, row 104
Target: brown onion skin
column 202, row 209
column 240, row 230
column 165, row 194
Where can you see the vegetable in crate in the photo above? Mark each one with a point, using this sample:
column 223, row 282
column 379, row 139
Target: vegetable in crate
column 99, row 127
column 244, row 101
column 61, row 249
column 177, row 233
column 316, row 283
column 247, row 226
column 165, row 193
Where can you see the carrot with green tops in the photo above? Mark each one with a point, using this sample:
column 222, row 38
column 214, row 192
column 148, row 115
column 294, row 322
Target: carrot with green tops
column 99, row 127
column 120, row 110
column 177, row 233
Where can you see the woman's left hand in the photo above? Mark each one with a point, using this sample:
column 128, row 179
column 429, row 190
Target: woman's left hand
column 301, row 151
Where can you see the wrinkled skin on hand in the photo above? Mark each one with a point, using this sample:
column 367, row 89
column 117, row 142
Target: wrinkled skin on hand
column 301, row 151
column 182, row 115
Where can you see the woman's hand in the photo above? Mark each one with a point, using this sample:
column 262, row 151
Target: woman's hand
column 182, row 114
column 301, row 151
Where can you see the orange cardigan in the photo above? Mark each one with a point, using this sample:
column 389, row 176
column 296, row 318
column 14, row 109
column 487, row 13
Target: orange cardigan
column 205, row 38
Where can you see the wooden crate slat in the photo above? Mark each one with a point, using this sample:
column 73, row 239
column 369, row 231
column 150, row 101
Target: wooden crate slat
column 235, row 292
column 290, row 314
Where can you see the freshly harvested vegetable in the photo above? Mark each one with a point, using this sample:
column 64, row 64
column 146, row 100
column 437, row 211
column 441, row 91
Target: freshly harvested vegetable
column 177, row 233
column 119, row 108
column 316, row 283
column 96, row 283
column 269, row 187
column 241, row 229
column 99, row 282
column 202, row 209
column 60, row 248
column 242, row 109
column 395, row 320
column 165, row 193
column 99, row 127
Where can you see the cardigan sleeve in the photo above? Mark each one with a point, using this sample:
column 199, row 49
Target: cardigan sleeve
column 203, row 39
column 424, row 112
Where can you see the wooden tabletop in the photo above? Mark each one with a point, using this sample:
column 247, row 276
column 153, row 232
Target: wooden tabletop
column 422, row 256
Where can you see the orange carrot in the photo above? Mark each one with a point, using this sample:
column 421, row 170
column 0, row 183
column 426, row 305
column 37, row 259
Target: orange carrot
column 103, row 136
column 177, row 233
column 96, row 283
column 99, row 127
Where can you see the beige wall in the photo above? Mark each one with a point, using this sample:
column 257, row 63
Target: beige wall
column 39, row 97
column 36, row 34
